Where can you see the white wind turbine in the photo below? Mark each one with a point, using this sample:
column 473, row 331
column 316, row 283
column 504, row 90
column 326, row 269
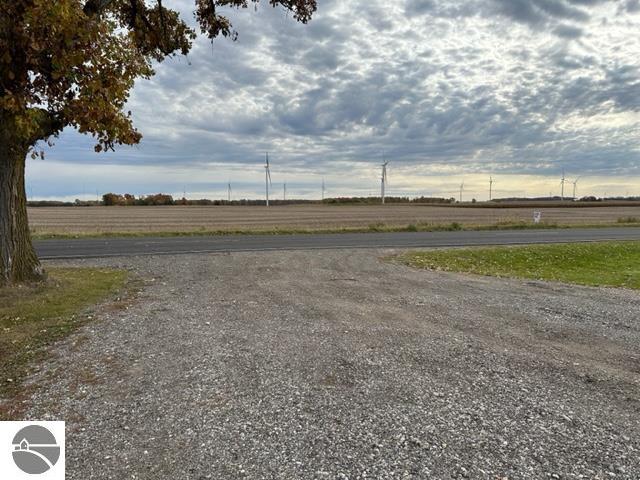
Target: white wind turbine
column 229, row 192
column 490, row 188
column 562, row 182
column 267, row 177
column 575, row 187
column 461, row 190
column 323, row 189
column 384, row 181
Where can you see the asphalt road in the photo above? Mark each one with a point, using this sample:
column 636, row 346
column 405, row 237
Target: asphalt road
column 110, row 247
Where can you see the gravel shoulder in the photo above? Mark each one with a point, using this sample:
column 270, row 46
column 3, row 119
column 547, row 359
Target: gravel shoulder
column 337, row 364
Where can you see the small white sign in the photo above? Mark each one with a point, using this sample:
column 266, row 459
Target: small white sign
column 32, row 450
column 537, row 217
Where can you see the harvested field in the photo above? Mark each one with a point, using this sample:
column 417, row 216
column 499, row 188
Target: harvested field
column 93, row 220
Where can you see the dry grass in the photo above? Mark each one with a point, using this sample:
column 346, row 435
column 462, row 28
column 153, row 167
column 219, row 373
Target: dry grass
column 35, row 316
column 190, row 219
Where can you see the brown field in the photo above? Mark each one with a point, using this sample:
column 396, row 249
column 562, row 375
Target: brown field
column 96, row 220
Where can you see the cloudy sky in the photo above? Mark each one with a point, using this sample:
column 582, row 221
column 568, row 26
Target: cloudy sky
column 448, row 91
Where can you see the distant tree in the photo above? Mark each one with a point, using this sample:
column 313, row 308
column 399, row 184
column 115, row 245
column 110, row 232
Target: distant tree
column 110, row 199
column 73, row 63
column 158, row 199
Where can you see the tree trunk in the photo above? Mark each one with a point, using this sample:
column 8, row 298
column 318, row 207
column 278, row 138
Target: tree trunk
column 18, row 260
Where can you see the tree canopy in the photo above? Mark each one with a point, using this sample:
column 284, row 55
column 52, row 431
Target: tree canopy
column 74, row 62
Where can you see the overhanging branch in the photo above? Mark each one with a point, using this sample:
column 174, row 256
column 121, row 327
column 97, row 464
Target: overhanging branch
column 93, row 7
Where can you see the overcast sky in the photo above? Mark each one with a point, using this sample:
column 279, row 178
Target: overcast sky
column 448, row 91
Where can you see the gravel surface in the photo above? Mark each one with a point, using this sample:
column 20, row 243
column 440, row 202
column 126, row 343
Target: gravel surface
column 337, row 365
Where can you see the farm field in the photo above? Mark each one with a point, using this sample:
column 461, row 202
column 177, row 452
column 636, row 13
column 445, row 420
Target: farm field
column 148, row 219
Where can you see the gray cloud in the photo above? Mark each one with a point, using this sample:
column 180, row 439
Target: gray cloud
column 525, row 86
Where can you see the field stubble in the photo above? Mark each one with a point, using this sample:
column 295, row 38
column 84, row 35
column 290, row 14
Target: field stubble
column 192, row 219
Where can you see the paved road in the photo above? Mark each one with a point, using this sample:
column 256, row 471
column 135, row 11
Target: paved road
column 110, row 247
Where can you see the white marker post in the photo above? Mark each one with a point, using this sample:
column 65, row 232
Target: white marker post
column 537, row 217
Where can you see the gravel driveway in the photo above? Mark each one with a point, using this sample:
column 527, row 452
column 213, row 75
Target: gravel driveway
column 336, row 365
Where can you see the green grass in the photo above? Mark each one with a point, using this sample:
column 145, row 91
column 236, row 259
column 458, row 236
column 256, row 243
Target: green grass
column 612, row 264
column 375, row 227
column 34, row 316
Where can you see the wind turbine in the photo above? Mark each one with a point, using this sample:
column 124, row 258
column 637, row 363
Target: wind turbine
column 267, row 177
column 490, row 188
column 461, row 190
column 562, row 182
column 384, row 180
column 284, row 193
column 229, row 192
column 323, row 189
column 575, row 186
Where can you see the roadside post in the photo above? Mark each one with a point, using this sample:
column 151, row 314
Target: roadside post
column 537, row 217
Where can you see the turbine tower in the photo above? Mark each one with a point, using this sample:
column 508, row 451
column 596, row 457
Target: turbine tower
column 229, row 192
column 490, row 188
column 323, row 189
column 284, row 193
column 562, row 182
column 267, row 177
column 384, row 181
column 461, row 190
column 575, row 187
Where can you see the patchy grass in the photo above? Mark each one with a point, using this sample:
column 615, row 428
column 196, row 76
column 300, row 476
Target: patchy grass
column 33, row 317
column 612, row 264
column 372, row 228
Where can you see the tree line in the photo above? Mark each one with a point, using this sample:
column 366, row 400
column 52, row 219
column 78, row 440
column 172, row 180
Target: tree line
column 115, row 199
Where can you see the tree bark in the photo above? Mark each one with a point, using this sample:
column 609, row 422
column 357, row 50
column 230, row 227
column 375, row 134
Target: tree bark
column 18, row 260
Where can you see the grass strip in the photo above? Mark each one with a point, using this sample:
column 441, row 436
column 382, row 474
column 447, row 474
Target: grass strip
column 611, row 264
column 373, row 228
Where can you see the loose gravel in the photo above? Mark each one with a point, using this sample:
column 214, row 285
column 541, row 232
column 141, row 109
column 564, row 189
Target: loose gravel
column 339, row 365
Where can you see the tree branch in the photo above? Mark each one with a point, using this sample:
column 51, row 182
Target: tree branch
column 48, row 124
column 93, row 7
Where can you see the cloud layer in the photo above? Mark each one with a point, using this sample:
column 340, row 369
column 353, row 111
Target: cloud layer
column 439, row 87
